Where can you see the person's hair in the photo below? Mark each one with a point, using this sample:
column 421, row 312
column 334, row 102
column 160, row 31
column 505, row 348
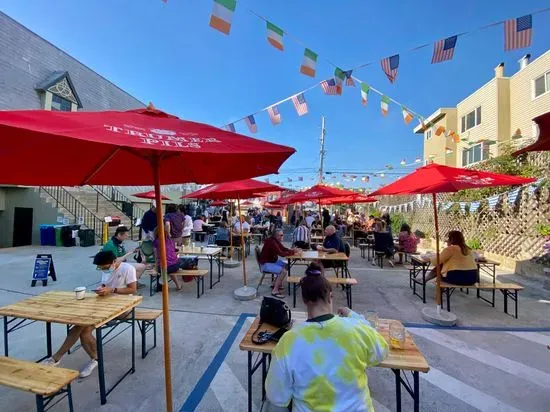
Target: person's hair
column 277, row 231
column 457, row 238
column 181, row 208
column 121, row 229
column 315, row 286
column 104, row 258
column 380, row 225
column 371, row 216
column 171, row 208
column 223, row 224
column 405, row 228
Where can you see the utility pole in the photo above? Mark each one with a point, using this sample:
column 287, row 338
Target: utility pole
column 322, row 151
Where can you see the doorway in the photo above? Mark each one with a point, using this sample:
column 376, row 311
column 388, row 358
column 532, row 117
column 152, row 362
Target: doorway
column 22, row 226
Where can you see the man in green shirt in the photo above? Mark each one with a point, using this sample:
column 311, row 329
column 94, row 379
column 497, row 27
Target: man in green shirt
column 115, row 245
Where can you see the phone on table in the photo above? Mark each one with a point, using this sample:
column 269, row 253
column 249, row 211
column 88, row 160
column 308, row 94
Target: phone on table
column 275, row 336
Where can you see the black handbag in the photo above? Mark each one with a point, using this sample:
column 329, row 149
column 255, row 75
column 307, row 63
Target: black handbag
column 274, row 312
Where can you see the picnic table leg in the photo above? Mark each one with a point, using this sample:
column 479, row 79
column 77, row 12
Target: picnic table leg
column 39, row 403
column 424, row 271
column 294, row 295
column 6, row 336
column 100, row 366
column 264, row 374
column 70, row 397
column 516, row 294
column 211, row 274
column 133, row 319
column 49, row 339
column 416, row 396
column 249, row 381
column 505, row 293
column 397, row 389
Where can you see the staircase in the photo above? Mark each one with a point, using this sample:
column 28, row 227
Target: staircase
column 93, row 204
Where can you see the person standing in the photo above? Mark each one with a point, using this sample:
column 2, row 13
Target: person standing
column 320, row 364
column 173, row 223
column 326, row 218
column 149, row 223
column 300, row 237
column 187, row 227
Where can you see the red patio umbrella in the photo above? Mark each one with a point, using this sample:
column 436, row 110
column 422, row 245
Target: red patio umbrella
column 149, row 195
column 357, row 198
column 235, row 190
column 80, row 148
column 543, row 141
column 435, row 178
column 318, row 192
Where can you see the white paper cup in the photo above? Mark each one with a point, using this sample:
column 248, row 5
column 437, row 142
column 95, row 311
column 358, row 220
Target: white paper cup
column 80, row 292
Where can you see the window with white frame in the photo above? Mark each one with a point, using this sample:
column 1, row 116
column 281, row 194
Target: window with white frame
column 541, row 84
column 475, row 153
column 429, row 134
column 471, row 119
column 60, row 104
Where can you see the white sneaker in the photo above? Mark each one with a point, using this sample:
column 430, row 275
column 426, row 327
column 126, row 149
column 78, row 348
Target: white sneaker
column 88, row 369
column 391, row 263
column 49, row 362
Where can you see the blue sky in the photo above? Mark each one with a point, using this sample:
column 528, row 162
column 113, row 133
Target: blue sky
column 167, row 54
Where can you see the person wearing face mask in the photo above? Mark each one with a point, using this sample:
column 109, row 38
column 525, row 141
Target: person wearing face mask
column 116, row 278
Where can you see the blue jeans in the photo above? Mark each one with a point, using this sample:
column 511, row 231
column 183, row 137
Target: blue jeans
column 275, row 267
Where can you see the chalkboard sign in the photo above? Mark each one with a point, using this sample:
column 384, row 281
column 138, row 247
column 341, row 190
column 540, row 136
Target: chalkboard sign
column 43, row 267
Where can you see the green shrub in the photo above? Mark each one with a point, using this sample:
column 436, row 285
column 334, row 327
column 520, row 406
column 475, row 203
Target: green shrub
column 474, row 244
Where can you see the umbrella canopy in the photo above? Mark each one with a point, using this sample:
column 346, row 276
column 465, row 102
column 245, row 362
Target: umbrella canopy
column 94, row 147
column 218, row 203
column 435, row 178
column 543, row 142
column 241, row 189
column 318, row 192
column 149, row 195
column 357, row 198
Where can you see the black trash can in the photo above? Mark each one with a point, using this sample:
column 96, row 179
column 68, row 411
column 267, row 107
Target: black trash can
column 67, row 239
column 87, row 237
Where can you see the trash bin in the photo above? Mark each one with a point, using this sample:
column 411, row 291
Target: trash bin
column 67, row 239
column 47, row 235
column 87, row 237
column 58, row 241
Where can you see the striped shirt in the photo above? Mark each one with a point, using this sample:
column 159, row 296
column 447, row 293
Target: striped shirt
column 321, row 366
column 301, row 234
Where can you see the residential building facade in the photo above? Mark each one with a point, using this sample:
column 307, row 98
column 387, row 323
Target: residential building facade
column 499, row 112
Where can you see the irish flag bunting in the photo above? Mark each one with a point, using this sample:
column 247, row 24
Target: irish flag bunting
column 275, row 36
column 385, row 105
column 364, row 93
column 339, row 76
column 308, row 63
column 439, row 130
column 222, row 14
column 407, row 116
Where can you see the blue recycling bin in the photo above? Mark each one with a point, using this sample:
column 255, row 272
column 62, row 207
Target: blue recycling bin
column 47, row 235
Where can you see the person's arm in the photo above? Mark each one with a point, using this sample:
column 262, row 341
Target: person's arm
column 444, row 256
column 167, row 227
column 278, row 384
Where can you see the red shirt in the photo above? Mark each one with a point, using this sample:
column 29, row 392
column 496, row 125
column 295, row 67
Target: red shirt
column 272, row 250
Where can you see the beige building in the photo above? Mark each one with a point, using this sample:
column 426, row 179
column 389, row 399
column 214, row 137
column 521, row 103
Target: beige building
column 501, row 111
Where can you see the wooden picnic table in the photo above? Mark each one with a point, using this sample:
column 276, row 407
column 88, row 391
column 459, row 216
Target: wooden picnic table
column 62, row 307
column 211, row 253
column 314, row 255
column 400, row 361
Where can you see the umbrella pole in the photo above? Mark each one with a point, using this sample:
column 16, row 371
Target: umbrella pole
column 437, row 268
column 164, row 274
column 243, row 250
column 229, row 220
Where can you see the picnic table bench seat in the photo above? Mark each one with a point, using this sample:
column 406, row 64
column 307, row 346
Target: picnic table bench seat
column 147, row 320
column 197, row 274
column 46, row 382
column 509, row 290
column 346, row 283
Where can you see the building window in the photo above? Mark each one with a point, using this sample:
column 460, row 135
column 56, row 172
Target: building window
column 471, row 119
column 60, row 104
column 428, row 134
column 542, row 84
column 474, row 154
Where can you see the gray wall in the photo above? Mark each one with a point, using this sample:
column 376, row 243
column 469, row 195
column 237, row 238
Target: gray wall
column 43, row 213
column 26, row 59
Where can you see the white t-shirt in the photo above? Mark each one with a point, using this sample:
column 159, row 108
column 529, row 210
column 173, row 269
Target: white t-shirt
column 197, row 225
column 237, row 227
column 187, row 226
column 121, row 277
column 309, row 220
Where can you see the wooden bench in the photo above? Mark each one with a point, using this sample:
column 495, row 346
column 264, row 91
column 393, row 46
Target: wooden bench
column 417, row 277
column 197, row 274
column 147, row 320
column 509, row 290
column 346, row 283
column 46, row 382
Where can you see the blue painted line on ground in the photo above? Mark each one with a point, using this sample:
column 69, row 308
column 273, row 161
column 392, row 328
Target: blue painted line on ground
column 198, row 392
column 479, row 328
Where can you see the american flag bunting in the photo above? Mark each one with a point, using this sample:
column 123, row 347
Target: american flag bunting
column 300, row 104
column 329, row 87
column 444, row 49
column 274, row 114
column 390, row 66
column 251, row 123
column 518, row 32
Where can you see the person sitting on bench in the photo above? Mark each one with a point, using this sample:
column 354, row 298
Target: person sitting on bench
column 331, row 244
column 117, row 277
column 458, row 265
column 407, row 241
column 319, row 364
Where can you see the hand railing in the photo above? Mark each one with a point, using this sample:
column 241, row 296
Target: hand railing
column 119, row 199
column 67, row 201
